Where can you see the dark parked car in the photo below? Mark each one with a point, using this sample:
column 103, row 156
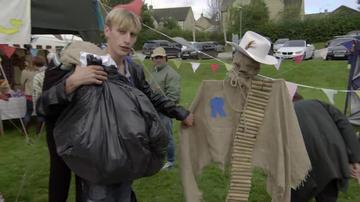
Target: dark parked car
column 336, row 50
column 172, row 49
column 219, row 48
column 197, row 50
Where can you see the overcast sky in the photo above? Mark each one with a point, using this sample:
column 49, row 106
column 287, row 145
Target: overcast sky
column 201, row 6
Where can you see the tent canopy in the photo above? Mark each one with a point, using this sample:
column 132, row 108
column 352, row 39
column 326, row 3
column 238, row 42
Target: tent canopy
column 352, row 103
column 79, row 17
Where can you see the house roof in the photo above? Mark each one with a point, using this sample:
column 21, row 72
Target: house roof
column 178, row 13
column 340, row 9
column 343, row 8
column 201, row 22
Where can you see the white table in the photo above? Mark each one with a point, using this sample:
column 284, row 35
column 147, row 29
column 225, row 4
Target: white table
column 14, row 108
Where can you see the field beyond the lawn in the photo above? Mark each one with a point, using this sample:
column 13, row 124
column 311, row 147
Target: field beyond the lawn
column 24, row 168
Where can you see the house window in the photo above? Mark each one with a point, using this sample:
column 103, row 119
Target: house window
column 48, row 47
column 38, row 46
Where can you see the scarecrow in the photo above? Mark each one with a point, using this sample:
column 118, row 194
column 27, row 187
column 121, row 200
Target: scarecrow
column 247, row 121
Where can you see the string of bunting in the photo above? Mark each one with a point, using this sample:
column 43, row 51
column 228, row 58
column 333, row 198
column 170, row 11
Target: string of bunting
column 292, row 87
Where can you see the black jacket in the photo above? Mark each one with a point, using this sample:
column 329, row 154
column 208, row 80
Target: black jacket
column 54, row 99
column 331, row 143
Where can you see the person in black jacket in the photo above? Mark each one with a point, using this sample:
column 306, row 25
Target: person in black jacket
column 332, row 147
column 121, row 32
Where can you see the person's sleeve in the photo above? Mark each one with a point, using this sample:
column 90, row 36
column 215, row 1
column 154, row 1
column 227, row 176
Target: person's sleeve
column 172, row 88
column 347, row 131
column 161, row 103
column 53, row 99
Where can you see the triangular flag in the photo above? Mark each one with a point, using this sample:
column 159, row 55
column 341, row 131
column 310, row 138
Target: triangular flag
column 292, row 87
column 7, row 50
column 177, row 63
column 298, row 59
column 134, row 6
column 323, row 53
column 357, row 93
column 141, row 57
column 214, row 67
column 33, row 52
column 234, row 45
column 330, row 93
column 228, row 66
column 195, row 66
column 235, row 39
column 348, row 44
column 278, row 64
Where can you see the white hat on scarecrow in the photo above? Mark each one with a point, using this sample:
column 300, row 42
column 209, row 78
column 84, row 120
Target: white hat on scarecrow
column 257, row 47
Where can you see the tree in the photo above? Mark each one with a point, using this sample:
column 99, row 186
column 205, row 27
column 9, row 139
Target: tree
column 214, row 9
column 250, row 16
column 292, row 11
column 170, row 23
column 146, row 16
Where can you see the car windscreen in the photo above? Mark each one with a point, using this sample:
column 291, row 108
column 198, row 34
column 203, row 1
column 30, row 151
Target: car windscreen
column 281, row 41
column 294, row 44
column 337, row 42
column 149, row 44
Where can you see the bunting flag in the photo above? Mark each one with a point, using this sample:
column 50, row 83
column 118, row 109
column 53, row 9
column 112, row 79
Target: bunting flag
column 195, row 66
column 323, row 53
column 330, row 93
column 234, row 45
column 8, row 51
column 278, row 64
column 34, row 52
column 292, row 87
column 15, row 27
column 235, row 39
column 298, row 59
column 141, row 57
column 214, row 67
column 134, row 6
column 177, row 63
column 357, row 93
column 228, row 66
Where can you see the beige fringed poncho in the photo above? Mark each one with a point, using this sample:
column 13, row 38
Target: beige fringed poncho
column 279, row 149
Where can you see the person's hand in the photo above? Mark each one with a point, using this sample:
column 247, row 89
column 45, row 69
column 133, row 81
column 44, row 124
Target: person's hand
column 85, row 76
column 189, row 121
column 355, row 171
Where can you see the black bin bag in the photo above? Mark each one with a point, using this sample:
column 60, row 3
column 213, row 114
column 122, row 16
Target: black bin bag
column 111, row 132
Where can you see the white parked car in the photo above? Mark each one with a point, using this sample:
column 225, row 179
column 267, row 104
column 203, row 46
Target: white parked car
column 279, row 43
column 295, row 48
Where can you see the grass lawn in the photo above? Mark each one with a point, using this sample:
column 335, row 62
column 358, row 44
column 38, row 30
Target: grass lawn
column 24, row 168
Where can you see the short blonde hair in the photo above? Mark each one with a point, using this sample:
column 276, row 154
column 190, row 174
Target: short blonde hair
column 123, row 19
